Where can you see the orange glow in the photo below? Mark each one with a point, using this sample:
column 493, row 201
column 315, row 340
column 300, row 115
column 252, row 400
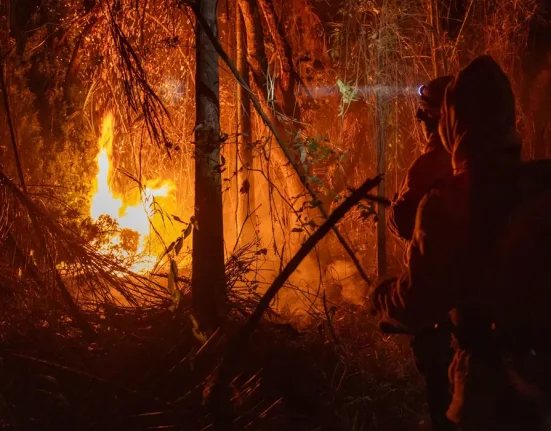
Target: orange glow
column 137, row 216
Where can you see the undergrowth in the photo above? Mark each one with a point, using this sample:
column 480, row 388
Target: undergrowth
column 146, row 370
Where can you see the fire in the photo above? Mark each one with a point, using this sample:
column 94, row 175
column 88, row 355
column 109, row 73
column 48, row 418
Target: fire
column 136, row 216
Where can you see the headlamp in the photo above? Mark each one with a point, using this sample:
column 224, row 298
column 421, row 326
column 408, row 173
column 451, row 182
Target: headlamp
column 420, row 91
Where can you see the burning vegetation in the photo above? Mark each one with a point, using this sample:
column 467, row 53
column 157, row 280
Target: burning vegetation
column 193, row 203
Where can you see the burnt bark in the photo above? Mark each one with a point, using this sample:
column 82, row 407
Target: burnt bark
column 208, row 281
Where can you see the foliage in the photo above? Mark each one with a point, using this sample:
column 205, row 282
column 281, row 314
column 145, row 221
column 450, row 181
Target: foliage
column 348, row 95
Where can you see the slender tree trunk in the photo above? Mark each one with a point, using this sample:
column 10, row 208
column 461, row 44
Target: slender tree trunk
column 208, row 282
column 246, row 201
column 256, row 55
column 439, row 63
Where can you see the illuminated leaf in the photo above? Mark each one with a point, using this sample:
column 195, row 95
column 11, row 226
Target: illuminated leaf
column 302, row 154
column 196, row 332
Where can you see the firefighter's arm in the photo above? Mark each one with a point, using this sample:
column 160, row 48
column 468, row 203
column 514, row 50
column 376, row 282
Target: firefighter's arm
column 401, row 215
column 424, row 294
column 418, row 181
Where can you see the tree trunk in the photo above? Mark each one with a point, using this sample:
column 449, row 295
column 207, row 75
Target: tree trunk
column 256, row 55
column 439, row 63
column 208, row 282
column 246, row 201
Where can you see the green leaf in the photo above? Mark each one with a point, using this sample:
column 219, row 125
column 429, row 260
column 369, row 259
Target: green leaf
column 313, row 145
column 187, row 232
column 302, row 154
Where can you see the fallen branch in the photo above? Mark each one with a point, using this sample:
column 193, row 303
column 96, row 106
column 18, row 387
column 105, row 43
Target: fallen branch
column 266, row 120
column 218, row 398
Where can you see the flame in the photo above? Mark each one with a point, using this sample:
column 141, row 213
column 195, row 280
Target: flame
column 136, row 216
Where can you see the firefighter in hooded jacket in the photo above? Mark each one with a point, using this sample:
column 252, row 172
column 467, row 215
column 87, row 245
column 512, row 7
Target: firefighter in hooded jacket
column 450, row 259
column 431, row 346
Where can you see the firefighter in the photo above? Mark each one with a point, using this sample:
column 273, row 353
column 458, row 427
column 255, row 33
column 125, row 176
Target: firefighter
column 431, row 346
column 451, row 259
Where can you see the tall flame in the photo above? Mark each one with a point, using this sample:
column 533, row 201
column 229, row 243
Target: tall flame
column 136, row 217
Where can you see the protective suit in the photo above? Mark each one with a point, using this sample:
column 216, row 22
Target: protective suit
column 431, row 346
column 452, row 255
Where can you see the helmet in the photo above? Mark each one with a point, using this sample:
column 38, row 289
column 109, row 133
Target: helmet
column 432, row 96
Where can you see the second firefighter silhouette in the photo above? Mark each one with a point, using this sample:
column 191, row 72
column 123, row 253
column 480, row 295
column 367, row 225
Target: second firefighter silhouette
column 431, row 347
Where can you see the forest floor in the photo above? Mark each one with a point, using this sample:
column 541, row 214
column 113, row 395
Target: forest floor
column 147, row 371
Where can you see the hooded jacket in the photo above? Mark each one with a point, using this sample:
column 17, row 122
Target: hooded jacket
column 455, row 231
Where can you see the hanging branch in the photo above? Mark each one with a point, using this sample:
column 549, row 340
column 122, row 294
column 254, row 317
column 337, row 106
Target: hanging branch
column 139, row 95
column 218, row 398
column 265, row 119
